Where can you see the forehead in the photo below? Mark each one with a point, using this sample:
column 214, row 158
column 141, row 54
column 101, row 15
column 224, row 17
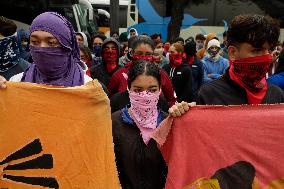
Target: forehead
column 98, row 40
column 144, row 48
column 42, row 34
column 145, row 81
column 110, row 44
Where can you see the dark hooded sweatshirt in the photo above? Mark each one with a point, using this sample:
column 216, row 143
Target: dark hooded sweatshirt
column 224, row 91
column 99, row 71
column 182, row 81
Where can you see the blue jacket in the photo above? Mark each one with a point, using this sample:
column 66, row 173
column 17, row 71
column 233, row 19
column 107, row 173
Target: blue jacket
column 216, row 69
column 277, row 79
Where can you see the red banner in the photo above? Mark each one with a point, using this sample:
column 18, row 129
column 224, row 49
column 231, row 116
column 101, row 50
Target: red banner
column 240, row 146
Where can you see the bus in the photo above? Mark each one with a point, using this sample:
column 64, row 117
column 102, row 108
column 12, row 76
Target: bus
column 78, row 12
column 210, row 16
column 102, row 12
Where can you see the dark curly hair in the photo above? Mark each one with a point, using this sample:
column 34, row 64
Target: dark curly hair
column 143, row 67
column 253, row 29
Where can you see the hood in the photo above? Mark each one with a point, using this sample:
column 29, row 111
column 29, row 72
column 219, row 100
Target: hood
column 209, row 37
column 129, row 32
column 108, row 40
column 85, row 43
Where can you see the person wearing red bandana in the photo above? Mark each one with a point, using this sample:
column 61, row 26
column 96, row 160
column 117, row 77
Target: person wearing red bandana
column 141, row 49
column 249, row 39
column 109, row 64
column 180, row 73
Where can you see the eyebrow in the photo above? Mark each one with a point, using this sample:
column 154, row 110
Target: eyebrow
column 35, row 36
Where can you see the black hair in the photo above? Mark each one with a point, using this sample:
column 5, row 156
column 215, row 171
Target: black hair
column 179, row 39
column 200, row 36
column 7, row 27
column 115, row 32
column 253, row 29
column 189, row 39
column 156, row 35
column 143, row 67
column 142, row 40
column 132, row 30
column 190, row 49
column 98, row 35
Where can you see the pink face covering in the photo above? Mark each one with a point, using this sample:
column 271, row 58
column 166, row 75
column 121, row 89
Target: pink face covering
column 144, row 112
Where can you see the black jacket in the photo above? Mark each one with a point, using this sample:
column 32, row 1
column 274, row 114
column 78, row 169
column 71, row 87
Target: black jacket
column 99, row 71
column 121, row 100
column 181, row 77
column 197, row 76
column 224, row 91
column 18, row 68
column 140, row 166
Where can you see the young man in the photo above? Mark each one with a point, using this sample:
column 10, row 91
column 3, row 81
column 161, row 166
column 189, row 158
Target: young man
column 249, row 39
column 199, row 38
column 110, row 57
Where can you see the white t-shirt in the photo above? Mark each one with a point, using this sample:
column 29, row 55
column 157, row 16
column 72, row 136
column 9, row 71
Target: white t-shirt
column 18, row 78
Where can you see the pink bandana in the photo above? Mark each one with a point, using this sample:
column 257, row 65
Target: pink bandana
column 144, row 112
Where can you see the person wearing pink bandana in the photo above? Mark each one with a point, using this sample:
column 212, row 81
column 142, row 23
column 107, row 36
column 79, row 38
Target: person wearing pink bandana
column 249, row 39
column 139, row 161
column 109, row 64
column 180, row 73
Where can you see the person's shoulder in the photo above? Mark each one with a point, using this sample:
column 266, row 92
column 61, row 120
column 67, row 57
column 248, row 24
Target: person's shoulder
column 116, row 118
column 216, row 84
column 17, row 78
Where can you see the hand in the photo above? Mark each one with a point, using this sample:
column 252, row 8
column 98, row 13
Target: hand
column 180, row 108
column 2, row 82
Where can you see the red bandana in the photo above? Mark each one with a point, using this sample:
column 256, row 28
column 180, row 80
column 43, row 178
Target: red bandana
column 175, row 59
column 250, row 73
column 110, row 58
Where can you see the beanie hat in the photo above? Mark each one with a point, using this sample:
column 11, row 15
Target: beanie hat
column 213, row 42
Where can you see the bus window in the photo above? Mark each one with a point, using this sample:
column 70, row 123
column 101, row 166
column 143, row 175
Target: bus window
column 122, row 16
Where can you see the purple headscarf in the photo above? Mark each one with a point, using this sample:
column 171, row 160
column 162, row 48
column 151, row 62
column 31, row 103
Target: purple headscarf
column 55, row 65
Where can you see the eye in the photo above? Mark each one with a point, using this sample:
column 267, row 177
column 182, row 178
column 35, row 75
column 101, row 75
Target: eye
column 52, row 43
column 34, row 42
column 153, row 90
column 137, row 90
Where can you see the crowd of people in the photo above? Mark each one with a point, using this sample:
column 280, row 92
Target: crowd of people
column 147, row 79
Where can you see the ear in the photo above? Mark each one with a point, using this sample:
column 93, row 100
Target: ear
column 232, row 52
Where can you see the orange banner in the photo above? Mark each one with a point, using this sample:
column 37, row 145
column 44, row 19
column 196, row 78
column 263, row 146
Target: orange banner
column 54, row 137
column 239, row 146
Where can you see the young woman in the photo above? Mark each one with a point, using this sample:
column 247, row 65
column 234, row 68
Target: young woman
column 180, row 73
column 55, row 53
column 139, row 162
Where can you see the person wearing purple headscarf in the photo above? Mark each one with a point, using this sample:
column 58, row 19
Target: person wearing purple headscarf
column 55, row 53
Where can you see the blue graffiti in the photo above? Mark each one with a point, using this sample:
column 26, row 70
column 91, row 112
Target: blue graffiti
column 154, row 23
